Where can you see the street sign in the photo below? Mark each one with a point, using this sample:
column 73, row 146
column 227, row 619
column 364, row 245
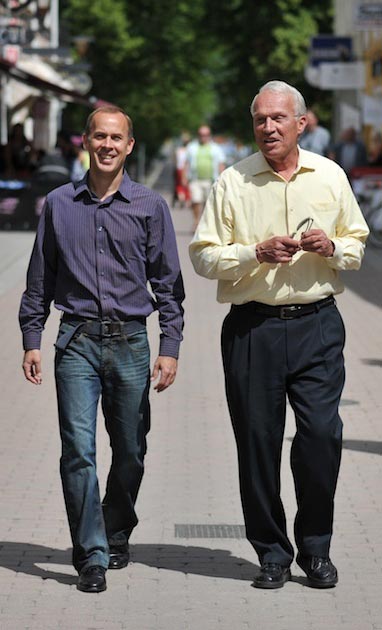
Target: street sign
column 342, row 76
column 337, row 76
column 368, row 16
column 330, row 48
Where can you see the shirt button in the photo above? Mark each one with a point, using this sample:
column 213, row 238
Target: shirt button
column 101, row 251
column 104, row 297
column 102, row 273
column 100, row 228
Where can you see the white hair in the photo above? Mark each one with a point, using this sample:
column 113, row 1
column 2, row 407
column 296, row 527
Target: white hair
column 283, row 88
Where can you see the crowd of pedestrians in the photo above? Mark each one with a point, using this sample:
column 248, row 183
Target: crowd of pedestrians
column 21, row 160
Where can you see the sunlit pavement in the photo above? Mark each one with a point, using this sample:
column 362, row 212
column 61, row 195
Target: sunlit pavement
column 191, row 567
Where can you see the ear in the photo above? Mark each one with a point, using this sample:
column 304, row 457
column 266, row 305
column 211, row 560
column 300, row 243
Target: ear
column 85, row 143
column 130, row 146
column 301, row 124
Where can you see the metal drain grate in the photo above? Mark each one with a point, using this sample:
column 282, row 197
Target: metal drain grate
column 209, row 531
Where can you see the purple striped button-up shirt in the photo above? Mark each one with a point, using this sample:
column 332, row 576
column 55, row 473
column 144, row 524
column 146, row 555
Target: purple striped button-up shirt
column 95, row 259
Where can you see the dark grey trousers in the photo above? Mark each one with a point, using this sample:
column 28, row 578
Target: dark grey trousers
column 268, row 360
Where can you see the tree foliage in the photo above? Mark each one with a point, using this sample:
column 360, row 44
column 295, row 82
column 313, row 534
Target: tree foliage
column 174, row 64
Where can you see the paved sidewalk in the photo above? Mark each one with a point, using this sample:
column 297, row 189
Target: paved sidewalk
column 190, row 488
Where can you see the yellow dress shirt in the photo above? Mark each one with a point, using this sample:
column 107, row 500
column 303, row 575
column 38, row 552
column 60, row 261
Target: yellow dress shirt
column 251, row 203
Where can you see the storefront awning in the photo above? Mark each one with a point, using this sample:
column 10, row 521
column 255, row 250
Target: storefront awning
column 15, row 72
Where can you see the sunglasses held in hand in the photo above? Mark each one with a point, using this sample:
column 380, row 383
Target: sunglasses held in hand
column 303, row 226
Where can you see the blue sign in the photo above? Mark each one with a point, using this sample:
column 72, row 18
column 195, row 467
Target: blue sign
column 327, row 48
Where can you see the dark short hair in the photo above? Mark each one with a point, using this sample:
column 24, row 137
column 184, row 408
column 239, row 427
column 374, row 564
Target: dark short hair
column 108, row 109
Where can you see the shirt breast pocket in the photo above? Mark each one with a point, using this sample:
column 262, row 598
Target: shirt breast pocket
column 325, row 217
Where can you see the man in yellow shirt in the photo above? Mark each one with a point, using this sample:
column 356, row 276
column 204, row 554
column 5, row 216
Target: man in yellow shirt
column 276, row 230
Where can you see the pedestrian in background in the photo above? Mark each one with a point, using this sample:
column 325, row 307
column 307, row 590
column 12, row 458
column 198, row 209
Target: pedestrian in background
column 277, row 229
column 350, row 152
column 182, row 191
column 315, row 137
column 99, row 242
column 204, row 163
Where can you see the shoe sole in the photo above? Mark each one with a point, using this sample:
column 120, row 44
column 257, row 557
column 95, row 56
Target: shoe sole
column 272, row 585
column 319, row 584
column 95, row 589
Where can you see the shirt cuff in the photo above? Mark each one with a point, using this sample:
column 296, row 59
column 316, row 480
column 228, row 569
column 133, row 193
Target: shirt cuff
column 247, row 254
column 338, row 250
column 32, row 341
column 169, row 347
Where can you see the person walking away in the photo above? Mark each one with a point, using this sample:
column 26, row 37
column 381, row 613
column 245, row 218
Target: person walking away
column 99, row 242
column 277, row 229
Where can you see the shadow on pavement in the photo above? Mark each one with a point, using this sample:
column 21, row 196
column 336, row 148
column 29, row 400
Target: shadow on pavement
column 363, row 446
column 26, row 558
column 217, row 563
column 373, row 362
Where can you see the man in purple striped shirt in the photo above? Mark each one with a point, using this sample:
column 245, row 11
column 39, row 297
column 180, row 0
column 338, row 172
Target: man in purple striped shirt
column 99, row 243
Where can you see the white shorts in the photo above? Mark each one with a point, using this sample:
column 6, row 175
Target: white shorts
column 199, row 190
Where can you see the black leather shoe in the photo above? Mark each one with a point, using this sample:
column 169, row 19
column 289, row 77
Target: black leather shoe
column 272, row 575
column 92, row 579
column 119, row 557
column 321, row 572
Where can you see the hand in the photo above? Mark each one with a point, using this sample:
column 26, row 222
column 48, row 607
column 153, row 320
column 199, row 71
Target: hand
column 317, row 242
column 167, row 367
column 32, row 366
column 279, row 249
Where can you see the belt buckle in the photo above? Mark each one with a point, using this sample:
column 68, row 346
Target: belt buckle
column 284, row 310
column 110, row 329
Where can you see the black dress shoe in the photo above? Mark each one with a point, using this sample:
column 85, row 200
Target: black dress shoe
column 92, row 579
column 119, row 557
column 272, row 575
column 320, row 571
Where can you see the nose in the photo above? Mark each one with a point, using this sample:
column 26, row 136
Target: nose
column 107, row 142
column 268, row 125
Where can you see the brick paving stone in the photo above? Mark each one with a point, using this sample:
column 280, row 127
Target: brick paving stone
column 191, row 478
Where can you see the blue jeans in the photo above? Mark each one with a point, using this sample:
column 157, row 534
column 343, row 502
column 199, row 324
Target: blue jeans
column 117, row 370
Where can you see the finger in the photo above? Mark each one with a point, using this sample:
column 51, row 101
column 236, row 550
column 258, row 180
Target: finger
column 155, row 372
column 167, row 378
column 32, row 373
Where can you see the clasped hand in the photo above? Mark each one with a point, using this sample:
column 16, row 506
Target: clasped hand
column 281, row 249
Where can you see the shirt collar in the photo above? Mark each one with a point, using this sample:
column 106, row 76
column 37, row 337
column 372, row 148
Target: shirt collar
column 124, row 191
column 306, row 162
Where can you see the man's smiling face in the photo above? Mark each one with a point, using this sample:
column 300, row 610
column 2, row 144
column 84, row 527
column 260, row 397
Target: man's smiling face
column 108, row 142
column 276, row 125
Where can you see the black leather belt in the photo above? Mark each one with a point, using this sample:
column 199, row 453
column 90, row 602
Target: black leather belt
column 106, row 327
column 97, row 328
column 287, row 311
